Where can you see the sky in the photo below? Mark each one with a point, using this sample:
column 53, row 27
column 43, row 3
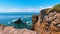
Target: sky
column 26, row 5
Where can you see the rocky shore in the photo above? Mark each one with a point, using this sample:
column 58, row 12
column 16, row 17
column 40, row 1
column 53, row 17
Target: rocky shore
column 47, row 22
column 12, row 30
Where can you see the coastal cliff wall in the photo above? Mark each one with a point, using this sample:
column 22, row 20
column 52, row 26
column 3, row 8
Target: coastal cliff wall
column 48, row 21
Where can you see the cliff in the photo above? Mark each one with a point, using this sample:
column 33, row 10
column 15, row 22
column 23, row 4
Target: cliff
column 48, row 21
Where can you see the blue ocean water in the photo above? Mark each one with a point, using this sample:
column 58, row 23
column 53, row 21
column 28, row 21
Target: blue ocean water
column 8, row 18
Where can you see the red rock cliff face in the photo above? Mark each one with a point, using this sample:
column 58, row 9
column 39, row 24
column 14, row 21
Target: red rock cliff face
column 48, row 22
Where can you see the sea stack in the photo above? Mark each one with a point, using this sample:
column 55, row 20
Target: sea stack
column 18, row 21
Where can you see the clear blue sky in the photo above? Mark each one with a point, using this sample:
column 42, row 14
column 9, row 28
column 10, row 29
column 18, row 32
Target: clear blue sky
column 25, row 5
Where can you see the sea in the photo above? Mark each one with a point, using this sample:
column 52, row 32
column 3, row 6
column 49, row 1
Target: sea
column 8, row 18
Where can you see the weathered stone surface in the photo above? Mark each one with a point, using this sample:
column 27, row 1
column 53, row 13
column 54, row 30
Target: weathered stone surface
column 48, row 23
column 12, row 30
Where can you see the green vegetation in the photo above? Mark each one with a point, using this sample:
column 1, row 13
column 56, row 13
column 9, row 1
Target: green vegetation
column 56, row 8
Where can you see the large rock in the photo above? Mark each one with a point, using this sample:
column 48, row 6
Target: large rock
column 18, row 21
column 48, row 22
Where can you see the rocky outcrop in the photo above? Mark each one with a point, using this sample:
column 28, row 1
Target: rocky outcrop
column 12, row 30
column 18, row 21
column 48, row 22
column 43, row 13
column 34, row 20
